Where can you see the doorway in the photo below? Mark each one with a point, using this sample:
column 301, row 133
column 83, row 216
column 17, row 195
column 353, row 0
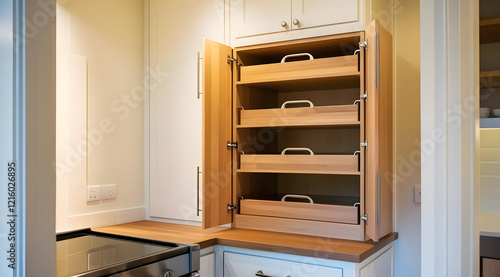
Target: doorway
column 489, row 64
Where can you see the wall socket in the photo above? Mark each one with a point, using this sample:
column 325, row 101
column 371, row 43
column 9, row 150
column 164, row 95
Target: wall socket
column 93, row 193
column 108, row 191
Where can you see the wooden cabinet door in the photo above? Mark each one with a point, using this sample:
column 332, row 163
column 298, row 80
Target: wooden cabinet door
column 379, row 173
column 258, row 17
column 314, row 13
column 217, row 168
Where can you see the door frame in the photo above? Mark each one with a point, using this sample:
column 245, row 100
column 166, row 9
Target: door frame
column 450, row 135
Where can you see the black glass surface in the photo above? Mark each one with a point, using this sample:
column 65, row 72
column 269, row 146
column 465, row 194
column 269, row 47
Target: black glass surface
column 80, row 254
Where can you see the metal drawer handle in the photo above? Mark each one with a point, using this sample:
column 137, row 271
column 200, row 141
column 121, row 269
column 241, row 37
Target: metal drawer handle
column 297, row 55
column 261, row 274
column 297, row 149
column 297, row 196
column 297, row 102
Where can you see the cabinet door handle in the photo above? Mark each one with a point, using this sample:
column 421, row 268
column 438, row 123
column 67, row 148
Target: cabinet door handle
column 283, row 24
column 297, row 196
column 198, row 191
column 297, row 102
column 198, row 62
column 378, row 199
column 297, row 55
column 297, row 149
column 261, row 274
column 296, row 22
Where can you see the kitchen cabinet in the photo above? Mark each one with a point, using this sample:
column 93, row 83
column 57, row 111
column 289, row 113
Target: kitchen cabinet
column 207, row 262
column 490, row 267
column 175, row 104
column 278, row 131
column 240, row 262
column 259, row 21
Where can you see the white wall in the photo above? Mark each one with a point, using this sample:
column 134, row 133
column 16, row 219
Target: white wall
column 407, row 135
column 100, row 120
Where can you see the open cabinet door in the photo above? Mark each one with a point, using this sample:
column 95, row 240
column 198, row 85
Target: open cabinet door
column 379, row 158
column 216, row 133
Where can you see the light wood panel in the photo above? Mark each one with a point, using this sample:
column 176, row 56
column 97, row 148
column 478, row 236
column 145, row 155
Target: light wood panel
column 489, row 29
column 319, row 164
column 311, row 246
column 296, row 210
column 321, row 140
column 313, row 83
column 217, row 168
column 362, row 137
column 319, row 47
column 300, row 70
column 323, row 187
column 346, row 115
column 490, row 79
column 296, row 226
column 379, row 179
column 491, row 267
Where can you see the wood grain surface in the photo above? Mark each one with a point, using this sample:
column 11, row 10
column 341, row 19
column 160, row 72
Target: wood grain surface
column 311, row 246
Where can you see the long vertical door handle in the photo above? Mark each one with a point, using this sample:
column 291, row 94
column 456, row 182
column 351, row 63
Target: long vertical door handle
column 377, row 61
column 198, row 191
column 198, row 62
column 378, row 199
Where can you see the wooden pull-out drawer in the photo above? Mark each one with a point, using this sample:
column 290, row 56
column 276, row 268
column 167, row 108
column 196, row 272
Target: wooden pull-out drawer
column 345, row 115
column 300, row 70
column 314, row 164
column 298, row 210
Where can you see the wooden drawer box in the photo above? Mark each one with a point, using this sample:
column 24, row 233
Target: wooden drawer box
column 300, row 70
column 299, row 210
column 344, row 115
column 314, row 164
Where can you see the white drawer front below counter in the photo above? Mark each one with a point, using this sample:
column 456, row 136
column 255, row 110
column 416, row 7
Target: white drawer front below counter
column 243, row 265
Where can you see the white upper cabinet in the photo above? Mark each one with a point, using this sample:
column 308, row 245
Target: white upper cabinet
column 260, row 21
column 314, row 13
column 175, row 103
column 249, row 18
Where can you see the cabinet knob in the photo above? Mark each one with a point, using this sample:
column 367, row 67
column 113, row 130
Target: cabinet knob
column 283, row 24
column 296, row 22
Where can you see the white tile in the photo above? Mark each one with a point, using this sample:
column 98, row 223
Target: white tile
column 490, row 155
column 79, row 222
column 490, row 194
column 489, row 169
column 490, row 138
column 104, row 219
column 130, row 215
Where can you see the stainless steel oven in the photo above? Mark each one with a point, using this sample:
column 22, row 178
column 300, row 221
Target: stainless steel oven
column 90, row 254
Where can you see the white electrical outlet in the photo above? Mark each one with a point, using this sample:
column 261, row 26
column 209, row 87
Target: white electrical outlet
column 93, row 193
column 108, row 191
column 417, row 194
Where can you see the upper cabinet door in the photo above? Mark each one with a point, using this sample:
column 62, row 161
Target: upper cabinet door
column 257, row 17
column 315, row 13
column 216, row 133
column 379, row 158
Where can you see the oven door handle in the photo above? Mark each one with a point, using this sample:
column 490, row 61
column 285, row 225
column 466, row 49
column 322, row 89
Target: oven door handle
column 261, row 274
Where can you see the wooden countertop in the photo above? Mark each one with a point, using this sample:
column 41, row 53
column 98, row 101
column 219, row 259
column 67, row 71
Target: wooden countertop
column 318, row 247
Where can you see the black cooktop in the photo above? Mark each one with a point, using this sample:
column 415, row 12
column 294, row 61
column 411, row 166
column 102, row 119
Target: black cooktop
column 86, row 251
